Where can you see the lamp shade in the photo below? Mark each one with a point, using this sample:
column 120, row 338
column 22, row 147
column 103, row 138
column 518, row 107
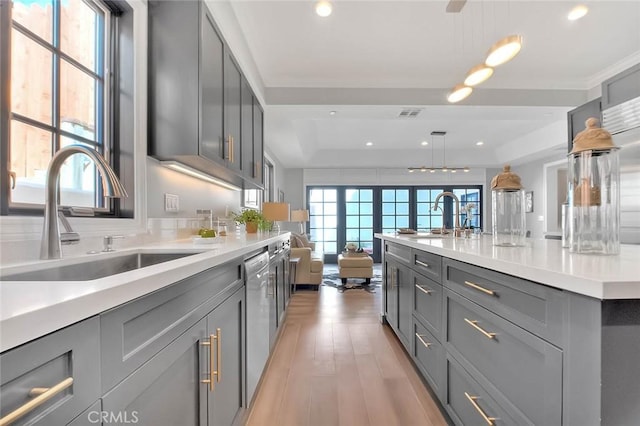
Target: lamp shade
column 276, row 211
column 299, row 215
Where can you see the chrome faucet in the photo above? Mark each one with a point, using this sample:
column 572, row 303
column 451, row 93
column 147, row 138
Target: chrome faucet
column 50, row 247
column 456, row 225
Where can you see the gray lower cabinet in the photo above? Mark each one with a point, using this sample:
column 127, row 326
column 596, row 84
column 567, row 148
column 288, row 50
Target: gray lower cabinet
column 427, row 303
column 91, row 416
column 60, row 369
column 195, row 380
column 429, row 355
column 391, row 292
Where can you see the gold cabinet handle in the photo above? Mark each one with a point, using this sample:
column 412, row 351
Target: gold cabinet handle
column 474, row 324
column 232, row 149
column 218, row 371
column 480, row 288
column 426, row 344
column 227, row 154
column 472, row 400
column 424, row 290
column 209, row 381
column 44, row 394
column 426, row 265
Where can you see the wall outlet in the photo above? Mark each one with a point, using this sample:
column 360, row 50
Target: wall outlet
column 171, row 203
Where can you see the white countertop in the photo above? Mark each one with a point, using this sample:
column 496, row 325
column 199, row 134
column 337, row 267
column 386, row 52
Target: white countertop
column 31, row 309
column 543, row 261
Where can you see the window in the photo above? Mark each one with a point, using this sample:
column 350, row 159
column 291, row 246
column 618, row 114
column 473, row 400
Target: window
column 395, row 209
column 323, row 219
column 359, row 217
column 468, row 196
column 426, row 217
column 62, row 57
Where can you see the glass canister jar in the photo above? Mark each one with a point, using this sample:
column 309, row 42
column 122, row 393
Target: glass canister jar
column 594, row 192
column 508, row 209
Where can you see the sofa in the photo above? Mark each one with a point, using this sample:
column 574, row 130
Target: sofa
column 311, row 264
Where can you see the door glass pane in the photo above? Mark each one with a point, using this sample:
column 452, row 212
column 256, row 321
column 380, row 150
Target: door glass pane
column 469, row 200
column 395, row 209
column 31, row 79
column 30, row 154
column 323, row 218
column 36, row 16
column 359, row 215
column 426, row 217
column 78, row 28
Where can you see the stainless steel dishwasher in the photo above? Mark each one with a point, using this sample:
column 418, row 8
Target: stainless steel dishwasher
column 260, row 300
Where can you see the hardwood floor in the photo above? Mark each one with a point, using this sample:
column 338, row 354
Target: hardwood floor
column 336, row 364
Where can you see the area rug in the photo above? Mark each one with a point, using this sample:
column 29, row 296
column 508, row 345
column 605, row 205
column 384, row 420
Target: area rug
column 332, row 279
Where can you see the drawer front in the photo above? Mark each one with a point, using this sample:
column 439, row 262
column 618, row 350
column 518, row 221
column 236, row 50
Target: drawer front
column 532, row 306
column 399, row 252
column 524, row 369
column 469, row 404
column 427, row 302
column 427, row 264
column 90, row 416
column 429, row 356
column 134, row 332
column 65, row 364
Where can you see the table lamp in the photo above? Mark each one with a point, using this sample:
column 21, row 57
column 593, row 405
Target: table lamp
column 276, row 212
column 301, row 216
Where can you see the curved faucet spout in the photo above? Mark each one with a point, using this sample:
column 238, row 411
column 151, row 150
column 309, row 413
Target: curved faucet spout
column 50, row 247
column 456, row 224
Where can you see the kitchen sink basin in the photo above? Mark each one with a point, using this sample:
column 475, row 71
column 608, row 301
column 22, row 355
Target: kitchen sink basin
column 95, row 268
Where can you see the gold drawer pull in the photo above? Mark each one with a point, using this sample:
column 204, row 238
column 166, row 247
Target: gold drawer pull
column 480, row 288
column 426, row 265
column 424, row 290
column 426, row 344
column 209, row 381
column 475, row 325
column 35, row 402
column 218, row 371
column 472, row 400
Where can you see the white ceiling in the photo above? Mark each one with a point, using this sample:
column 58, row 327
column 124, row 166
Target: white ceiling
column 370, row 59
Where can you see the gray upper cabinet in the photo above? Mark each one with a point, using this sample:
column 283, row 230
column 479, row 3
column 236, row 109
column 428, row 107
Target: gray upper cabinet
column 232, row 111
column 61, row 370
column 246, row 133
column 621, row 87
column 258, row 143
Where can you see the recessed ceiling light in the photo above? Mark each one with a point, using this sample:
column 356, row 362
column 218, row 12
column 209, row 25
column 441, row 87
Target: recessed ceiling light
column 479, row 143
column 424, row 143
column 369, row 144
column 459, row 93
column 332, row 113
column 577, row 12
column 323, row 8
column 504, row 50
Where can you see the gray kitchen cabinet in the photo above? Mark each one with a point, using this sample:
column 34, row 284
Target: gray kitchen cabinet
column 134, row 332
column 621, row 88
column 429, row 356
column 398, row 300
column 246, row 132
column 390, row 284
column 232, row 111
column 427, row 264
column 577, row 117
column 258, row 143
column 194, row 92
column 63, row 365
column 226, row 323
column 427, row 303
column 89, row 417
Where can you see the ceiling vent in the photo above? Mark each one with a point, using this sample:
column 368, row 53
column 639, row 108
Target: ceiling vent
column 409, row 113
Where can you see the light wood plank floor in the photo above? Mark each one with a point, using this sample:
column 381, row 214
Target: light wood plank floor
column 335, row 364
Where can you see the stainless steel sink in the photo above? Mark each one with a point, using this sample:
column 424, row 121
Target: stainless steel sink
column 94, row 269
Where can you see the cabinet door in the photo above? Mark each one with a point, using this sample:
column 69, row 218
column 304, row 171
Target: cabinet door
column 621, row 87
column 248, row 169
column 280, row 289
column 226, row 323
column 391, row 293
column 232, row 111
column 577, row 117
column 212, row 89
column 405, row 306
column 258, row 143
column 168, row 389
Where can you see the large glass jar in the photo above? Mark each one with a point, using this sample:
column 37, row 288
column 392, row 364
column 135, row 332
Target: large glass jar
column 594, row 193
column 508, row 209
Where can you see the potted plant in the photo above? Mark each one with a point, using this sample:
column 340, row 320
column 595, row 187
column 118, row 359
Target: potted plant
column 252, row 219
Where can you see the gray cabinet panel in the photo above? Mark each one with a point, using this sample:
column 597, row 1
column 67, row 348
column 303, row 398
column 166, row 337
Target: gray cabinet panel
column 534, row 307
column 427, row 305
column 167, row 390
column 621, row 87
column 429, row 356
column 90, row 416
column 232, row 111
column 469, row 404
column 71, row 356
column 391, row 292
column 405, row 306
column 576, row 118
column 427, row 264
column 401, row 253
column 132, row 333
column 212, row 86
column 246, row 120
column 258, row 143
column 525, row 369
column 227, row 322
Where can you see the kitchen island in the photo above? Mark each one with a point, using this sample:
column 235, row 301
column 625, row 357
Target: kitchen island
column 526, row 335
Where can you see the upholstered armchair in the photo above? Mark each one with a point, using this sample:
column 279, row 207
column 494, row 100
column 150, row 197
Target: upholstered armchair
column 311, row 264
